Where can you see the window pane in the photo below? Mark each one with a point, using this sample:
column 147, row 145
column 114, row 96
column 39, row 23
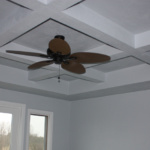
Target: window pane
column 5, row 130
column 38, row 136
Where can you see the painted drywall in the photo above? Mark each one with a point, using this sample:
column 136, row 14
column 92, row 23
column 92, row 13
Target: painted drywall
column 107, row 123
column 60, row 108
column 119, row 122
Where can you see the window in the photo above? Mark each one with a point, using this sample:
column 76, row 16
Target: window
column 5, row 130
column 40, row 130
column 12, row 117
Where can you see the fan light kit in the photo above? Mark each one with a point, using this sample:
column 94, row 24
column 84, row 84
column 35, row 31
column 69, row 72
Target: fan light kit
column 59, row 52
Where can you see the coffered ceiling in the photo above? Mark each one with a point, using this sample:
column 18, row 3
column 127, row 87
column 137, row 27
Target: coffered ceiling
column 119, row 29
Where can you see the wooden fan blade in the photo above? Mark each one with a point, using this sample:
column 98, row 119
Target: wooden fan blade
column 73, row 66
column 27, row 53
column 40, row 64
column 89, row 58
column 59, row 46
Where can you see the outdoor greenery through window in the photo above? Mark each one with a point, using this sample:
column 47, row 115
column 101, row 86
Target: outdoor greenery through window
column 38, row 132
column 5, row 130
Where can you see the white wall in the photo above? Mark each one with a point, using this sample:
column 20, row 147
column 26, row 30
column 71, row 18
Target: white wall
column 60, row 108
column 119, row 122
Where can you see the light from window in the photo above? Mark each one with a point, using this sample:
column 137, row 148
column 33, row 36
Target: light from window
column 12, row 118
column 38, row 132
column 5, row 130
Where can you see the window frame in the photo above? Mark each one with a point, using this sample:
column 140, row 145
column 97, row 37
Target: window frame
column 50, row 126
column 18, row 121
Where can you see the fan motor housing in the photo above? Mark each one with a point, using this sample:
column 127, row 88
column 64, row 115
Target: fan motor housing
column 57, row 57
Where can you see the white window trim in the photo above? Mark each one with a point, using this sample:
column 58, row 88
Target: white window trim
column 18, row 110
column 50, row 126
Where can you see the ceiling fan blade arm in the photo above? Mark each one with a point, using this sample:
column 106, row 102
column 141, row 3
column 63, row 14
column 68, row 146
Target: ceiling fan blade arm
column 27, row 53
column 40, row 64
column 73, row 66
column 89, row 58
column 72, row 57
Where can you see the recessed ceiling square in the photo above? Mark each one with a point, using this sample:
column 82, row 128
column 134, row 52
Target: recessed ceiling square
column 10, row 14
column 39, row 37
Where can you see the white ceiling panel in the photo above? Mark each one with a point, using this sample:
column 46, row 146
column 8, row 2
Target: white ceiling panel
column 11, row 14
column 132, row 15
column 39, row 37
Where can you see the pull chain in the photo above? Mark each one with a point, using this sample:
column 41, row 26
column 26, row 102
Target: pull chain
column 59, row 74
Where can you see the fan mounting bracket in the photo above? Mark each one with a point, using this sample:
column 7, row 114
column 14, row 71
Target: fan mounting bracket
column 60, row 37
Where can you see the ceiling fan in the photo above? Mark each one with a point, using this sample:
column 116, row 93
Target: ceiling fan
column 59, row 52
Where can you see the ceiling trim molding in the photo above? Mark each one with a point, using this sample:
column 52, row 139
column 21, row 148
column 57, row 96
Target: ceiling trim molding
column 18, row 4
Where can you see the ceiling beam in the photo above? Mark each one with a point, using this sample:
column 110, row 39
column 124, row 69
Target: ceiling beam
column 41, row 74
column 19, row 78
column 58, row 5
column 91, row 75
